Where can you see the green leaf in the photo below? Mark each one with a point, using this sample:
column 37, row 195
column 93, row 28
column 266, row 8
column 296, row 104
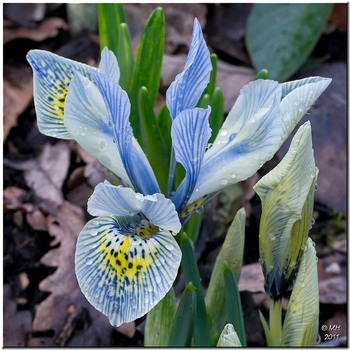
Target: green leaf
column 280, row 37
column 148, row 65
column 190, row 268
column 160, row 320
column 164, row 122
column 125, row 57
column 182, row 330
column 233, row 304
column 216, row 117
column 266, row 328
column 110, row 16
column 262, row 74
column 231, row 253
column 151, row 141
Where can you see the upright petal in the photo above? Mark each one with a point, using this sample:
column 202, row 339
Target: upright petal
column 250, row 136
column 190, row 134
column 135, row 161
column 109, row 65
column 189, row 85
column 87, row 121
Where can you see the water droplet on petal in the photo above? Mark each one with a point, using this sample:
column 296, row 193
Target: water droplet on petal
column 169, row 246
column 102, row 145
column 223, row 132
column 89, row 261
column 316, row 187
column 304, row 248
column 301, row 107
column 84, row 131
column 93, row 233
column 271, row 236
column 284, row 208
column 233, row 175
column 223, row 182
column 158, row 279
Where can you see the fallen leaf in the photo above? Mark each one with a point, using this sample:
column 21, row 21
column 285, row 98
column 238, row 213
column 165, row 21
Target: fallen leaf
column 53, row 312
column 251, row 279
column 46, row 29
column 16, row 324
column 18, row 92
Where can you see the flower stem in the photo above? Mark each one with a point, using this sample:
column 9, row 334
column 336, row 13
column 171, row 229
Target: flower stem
column 275, row 321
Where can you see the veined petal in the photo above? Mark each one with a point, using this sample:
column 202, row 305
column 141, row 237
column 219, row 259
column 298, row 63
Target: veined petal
column 249, row 137
column 109, row 64
column 297, row 99
column 108, row 199
column 52, row 75
column 189, row 85
column 190, row 134
column 121, row 274
column 135, row 161
column 87, row 120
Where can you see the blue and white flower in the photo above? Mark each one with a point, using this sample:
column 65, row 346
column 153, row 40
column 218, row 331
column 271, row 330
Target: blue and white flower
column 127, row 257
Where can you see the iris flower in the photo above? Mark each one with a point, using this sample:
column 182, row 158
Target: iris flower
column 126, row 257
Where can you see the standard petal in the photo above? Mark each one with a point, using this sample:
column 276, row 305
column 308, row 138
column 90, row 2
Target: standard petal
column 121, row 274
column 249, row 137
column 52, row 75
column 117, row 200
column 298, row 98
column 87, row 120
column 135, row 161
column 109, row 64
column 160, row 211
column 190, row 134
column 189, row 85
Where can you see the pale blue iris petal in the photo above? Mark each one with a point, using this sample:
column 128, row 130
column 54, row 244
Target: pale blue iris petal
column 135, row 161
column 297, row 99
column 109, row 64
column 52, row 75
column 235, row 158
column 108, row 199
column 189, row 85
column 190, row 134
column 87, row 120
column 160, row 211
column 121, row 274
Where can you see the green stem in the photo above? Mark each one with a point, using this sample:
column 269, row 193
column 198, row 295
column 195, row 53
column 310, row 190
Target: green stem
column 275, row 321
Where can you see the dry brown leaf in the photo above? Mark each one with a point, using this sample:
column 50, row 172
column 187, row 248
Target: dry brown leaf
column 45, row 174
column 47, row 29
column 13, row 199
column 228, row 77
column 251, row 279
column 17, row 324
column 37, row 220
column 53, row 312
column 18, row 92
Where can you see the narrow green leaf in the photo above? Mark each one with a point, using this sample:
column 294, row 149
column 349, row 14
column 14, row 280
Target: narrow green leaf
column 164, row 122
column 110, row 16
column 266, row 328
column 193, row 225
column 182, row 330
column 125, row 57
column 190, row 268
column 148, row 64
column 160, row 320
column 216, row 117
column 280, row 37
column 233, row 304
column 231, row 253
column 151, row 141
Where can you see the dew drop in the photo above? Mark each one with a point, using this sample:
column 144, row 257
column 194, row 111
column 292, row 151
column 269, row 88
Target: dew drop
column 89, row 261
column 286, row 116
column 93, row 233
column 84, row 131
column 150, row 288
column 223, row 132
column 158, row 279
column 302, row 285
column 304, row 248
column 284, row 208
column 271, row 236
column 316, row 187
column 223, row 182
column 253, row 120
column 102, row 145
column 261, row 261
column 169, row 246
column 301, row 107
column 233, row 175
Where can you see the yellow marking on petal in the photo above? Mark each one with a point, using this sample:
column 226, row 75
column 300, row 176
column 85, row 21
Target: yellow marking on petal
column 58, row 99
column 194, row 206
column 126, row 262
